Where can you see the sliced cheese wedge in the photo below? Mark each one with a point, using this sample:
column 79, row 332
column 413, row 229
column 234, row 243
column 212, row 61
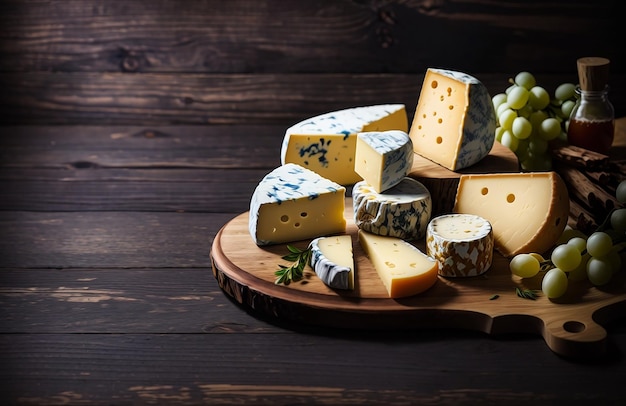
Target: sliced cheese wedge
column 332, row 261
column 527, row 211
column 402, row 267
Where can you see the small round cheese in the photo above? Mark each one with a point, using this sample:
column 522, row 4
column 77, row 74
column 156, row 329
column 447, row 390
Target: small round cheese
column 402, row 211
column 462, row 244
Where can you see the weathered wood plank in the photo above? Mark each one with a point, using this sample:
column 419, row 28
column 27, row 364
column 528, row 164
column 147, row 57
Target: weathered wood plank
column 108, row 239
column 163, row 99
column 296, row 368
column 305, row 36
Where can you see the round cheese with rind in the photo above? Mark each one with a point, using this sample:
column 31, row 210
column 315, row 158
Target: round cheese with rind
column 462, row 244
column 402, row 211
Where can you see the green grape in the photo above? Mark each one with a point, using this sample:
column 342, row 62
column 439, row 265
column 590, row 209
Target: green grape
column 599, row 271
column 580, row 273
column 509, row 140
column 537, row 146
column 538, row 256
column 525, row 111
column 554, row 283
column 549, row 129
column 506, row 118
column 599, row 244
column 566, row 257
column 499, row 131
column 538, row 98
column 569, row 233
column 525, row 79
column 620, row 192
column 517, row 97
column 521, row 128
column 565, row 91
column 537, row 117
column 567, row 107
column 498, row 99
column 508, row 89
column 578, row 242
column 618, row 220
column 538, row 163
column 524, row 265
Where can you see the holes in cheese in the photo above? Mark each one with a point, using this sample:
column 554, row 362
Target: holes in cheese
column 402, row 267
column 454, row 122
column 292, row 203
column 527, row 211
column 326, row 144
column 332, row 261
column 462, row 244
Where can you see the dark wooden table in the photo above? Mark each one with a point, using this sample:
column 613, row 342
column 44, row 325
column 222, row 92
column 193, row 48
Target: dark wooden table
column 107, row 294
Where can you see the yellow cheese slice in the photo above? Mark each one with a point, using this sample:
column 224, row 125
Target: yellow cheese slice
column 402, row 267
column 527, row 211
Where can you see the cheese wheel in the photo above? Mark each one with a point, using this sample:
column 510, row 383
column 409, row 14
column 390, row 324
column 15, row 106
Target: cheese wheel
column 402, row 211
column 462, row 244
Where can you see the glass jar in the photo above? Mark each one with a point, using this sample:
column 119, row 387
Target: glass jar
column 592, row 121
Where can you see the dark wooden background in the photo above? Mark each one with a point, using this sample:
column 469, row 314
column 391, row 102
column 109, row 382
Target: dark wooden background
column 154, row 62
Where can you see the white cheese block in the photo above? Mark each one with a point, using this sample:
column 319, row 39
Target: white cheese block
column 292, row 203
column 383, row 158
column 527, row 211
column 402, row 211
column 454, row 122
column 462, row 244
column 326, row 144
column 402, row 267
column 332, row 260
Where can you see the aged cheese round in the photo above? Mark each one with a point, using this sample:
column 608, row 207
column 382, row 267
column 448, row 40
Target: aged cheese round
column 462, row 244
column 402, row 211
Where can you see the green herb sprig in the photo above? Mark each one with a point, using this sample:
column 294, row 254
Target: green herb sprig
column 527, row 293
column 293, row 273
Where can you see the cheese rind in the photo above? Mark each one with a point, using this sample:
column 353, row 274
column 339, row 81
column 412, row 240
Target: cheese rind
column 402, row 267
column 454, row 122
column 462, row 244
column 402, row 211
column 292, row 203
column 333, row 261
column 383, row 158
column 527, row 211
column 326, row 144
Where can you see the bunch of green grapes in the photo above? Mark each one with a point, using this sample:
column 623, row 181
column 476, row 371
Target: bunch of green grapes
column 595, row 258
column 528, row 119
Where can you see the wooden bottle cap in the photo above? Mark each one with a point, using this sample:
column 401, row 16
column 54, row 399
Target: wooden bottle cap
column 593, row 73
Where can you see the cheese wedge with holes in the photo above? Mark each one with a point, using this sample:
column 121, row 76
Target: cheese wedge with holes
column 292, row 203
column 454, row 122
column 383, row 158
column 326, row 144
column 527, row 211
column 402, row 267
column 462, row 244
column 333, row 261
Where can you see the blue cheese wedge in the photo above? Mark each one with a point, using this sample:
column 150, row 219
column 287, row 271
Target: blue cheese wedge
column 402, row 211
column 326, row 144
column 454, row 122
column 383, row 158
column 332, row 260
column 292, row 203
column 462, row 244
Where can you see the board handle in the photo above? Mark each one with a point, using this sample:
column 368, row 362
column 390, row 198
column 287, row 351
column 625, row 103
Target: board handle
column 579, row 337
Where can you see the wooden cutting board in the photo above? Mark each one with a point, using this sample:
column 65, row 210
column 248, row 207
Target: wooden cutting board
column 571, row 326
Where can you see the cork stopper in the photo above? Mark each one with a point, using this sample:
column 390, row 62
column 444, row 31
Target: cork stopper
column 593, row 73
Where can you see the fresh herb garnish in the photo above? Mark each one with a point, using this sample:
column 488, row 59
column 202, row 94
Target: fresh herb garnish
column 494, row 297
column 527, row 293
column 293, row 273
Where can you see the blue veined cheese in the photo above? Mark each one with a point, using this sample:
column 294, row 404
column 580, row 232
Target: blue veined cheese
column 402, row 211
column 292, row 203
column 462, row 244
column 333, row 261
column 454, row 122
column 326, row 143
column 383, row 158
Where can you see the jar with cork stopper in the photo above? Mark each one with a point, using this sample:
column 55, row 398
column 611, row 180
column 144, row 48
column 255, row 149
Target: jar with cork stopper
column 592, row 120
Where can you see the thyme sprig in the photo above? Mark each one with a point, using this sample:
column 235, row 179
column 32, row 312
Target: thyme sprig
column 294, row 272
column 527, row 293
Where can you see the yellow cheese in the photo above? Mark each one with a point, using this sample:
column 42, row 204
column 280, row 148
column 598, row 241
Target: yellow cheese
column 402, row 267
column 332, row 260
column 454, row 122
column 527, row 211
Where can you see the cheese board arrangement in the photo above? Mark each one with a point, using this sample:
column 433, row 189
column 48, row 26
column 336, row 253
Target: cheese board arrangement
column 371, row 224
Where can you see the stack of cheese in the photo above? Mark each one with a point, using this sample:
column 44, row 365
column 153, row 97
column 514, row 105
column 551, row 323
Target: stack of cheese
column 372, row 149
